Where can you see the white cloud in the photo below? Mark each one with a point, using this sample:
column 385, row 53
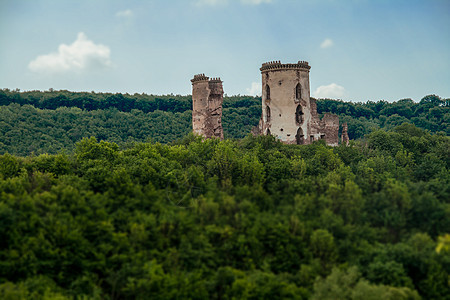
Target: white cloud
column 255, row 2
column 124, row 13
column 330, row 91
column 211, row 2
column 80, row 55
column 327, row 43
column 255, row 90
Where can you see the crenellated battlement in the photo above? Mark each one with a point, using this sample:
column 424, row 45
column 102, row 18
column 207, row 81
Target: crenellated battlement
column 277, row 65
column 199, row 77
column 203, row 77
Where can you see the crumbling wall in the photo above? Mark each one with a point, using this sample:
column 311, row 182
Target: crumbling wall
column 345, row 139
column 330, row 129
column 316, row 124
column 215, row 102
column 207, row 100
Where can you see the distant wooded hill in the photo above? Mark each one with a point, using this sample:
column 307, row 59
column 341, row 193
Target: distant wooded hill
column 48, row 122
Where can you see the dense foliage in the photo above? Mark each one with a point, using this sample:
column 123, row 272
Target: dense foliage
column 242, row 219
column 26, row 129
column 47, row 122
column 431, row 113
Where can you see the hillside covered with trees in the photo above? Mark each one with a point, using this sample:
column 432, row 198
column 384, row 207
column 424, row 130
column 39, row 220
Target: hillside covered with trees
column 108, row 196
column 48, row 122
column 233, row 219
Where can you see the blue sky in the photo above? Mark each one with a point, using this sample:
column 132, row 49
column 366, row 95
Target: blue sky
column 358, row 50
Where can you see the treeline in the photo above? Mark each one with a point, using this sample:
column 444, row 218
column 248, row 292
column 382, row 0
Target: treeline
column 47, row 122
column 122, row 102
column 431, row 113
column 233, row 219
column 97, row 101
column 25, row 129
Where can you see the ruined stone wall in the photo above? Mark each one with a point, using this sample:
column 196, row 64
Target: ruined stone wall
column 330, row 129
column 345, row 139
column 207, row 98
column 316, row 124
column 215, row 102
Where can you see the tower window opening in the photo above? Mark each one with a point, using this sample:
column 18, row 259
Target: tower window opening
column 298, row 92
column 267, row 92
column 267, row 114
column 299, row 115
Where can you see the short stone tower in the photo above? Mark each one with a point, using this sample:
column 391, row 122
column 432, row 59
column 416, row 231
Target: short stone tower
column 288, row 112
column 207, row 98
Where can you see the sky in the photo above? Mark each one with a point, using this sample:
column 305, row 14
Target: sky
column 358, row 50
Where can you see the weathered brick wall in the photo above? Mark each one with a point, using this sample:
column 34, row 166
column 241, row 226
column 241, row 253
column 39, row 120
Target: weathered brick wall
column 207, row 98
column 331, row 129
column 345, row 139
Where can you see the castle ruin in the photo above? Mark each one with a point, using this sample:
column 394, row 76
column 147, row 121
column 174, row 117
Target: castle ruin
column 207, row 98
column 288, row 112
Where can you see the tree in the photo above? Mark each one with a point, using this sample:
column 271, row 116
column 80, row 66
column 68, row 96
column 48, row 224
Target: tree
column 348, row 284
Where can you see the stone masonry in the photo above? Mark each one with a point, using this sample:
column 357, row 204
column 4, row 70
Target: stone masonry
column 207, row 98
column 345, row 139
column 288, row 112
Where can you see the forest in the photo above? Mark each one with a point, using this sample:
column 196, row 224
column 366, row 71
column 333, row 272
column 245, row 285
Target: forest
column 170, row 215
column 37, row 122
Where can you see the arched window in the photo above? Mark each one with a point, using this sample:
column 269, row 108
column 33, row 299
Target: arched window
column 299, row 137
column 267, row 91
column 268, row 132
column 299, row 115
column 267, row 114
column 298, row 92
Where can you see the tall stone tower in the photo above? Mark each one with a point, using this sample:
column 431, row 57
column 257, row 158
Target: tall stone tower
column 207, row 98
column 288, row 112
